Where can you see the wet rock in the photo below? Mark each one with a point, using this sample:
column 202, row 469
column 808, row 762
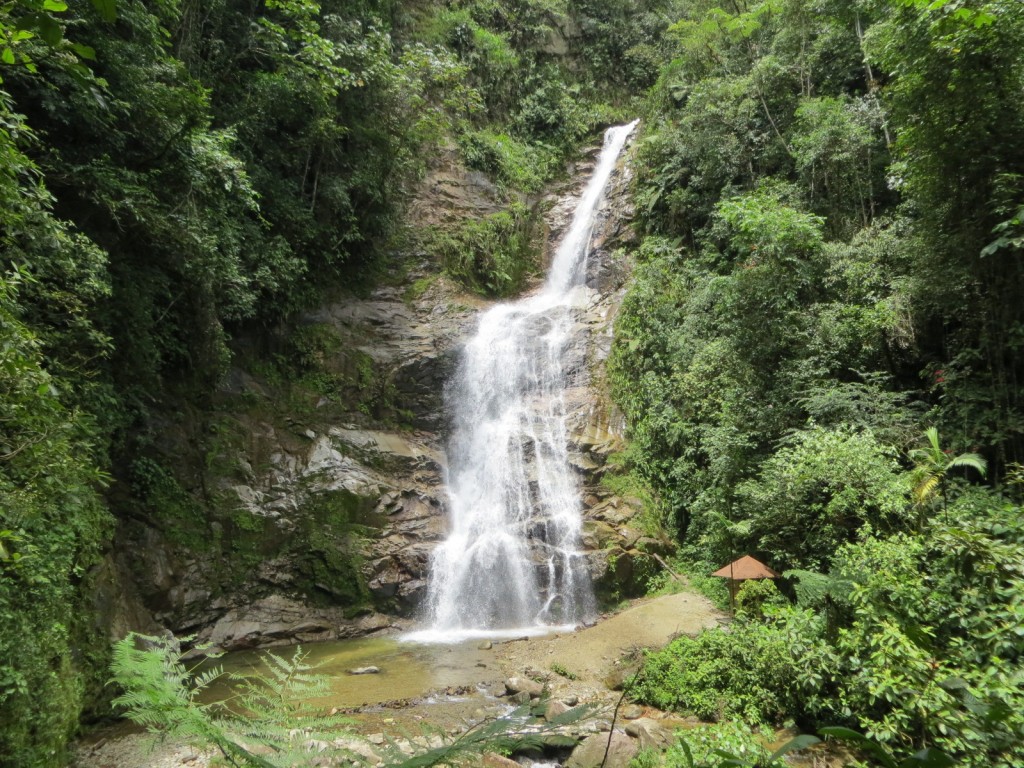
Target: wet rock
column 590, row 753
column 279, row 620
column 486, row 645
column 520, row 698
column 365, row 671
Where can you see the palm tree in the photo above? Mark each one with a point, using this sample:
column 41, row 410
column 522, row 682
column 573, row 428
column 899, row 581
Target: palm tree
column 932, row 464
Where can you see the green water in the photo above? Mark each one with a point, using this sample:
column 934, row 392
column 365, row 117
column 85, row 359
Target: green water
column 418, row 673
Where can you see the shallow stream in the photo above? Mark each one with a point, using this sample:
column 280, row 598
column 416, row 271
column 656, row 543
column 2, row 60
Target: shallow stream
column 444, row 685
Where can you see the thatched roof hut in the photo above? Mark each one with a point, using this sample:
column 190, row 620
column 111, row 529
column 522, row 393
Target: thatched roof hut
column 741, row 570
column 746, row 568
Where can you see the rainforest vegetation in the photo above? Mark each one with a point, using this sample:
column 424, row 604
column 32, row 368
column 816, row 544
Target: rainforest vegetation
column 819, row 361
column 817, row 358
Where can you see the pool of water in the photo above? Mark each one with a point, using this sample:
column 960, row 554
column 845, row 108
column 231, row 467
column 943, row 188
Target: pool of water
column 441, row 683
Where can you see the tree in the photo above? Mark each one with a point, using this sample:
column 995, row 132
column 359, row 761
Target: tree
column 932, row 464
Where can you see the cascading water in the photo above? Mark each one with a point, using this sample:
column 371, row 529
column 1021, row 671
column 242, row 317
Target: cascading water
column 512, row 559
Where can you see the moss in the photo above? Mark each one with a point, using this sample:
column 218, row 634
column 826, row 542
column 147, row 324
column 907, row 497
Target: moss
column 621, row 480
column 418, row 288
column 491, row 255
column 177, row 512
column 224, row 438
column 330, row 557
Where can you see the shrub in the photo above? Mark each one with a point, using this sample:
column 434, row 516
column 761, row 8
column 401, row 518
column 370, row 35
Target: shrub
column 749, row 671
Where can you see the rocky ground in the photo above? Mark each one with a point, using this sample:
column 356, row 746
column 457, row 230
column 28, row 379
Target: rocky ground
column 600, row 655
column 597, row 657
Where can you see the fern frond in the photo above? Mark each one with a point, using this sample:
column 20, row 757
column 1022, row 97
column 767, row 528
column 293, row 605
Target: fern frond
column 813, row 588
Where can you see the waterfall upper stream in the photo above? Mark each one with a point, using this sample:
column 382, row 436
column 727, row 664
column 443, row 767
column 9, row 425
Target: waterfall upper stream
column 512, row 559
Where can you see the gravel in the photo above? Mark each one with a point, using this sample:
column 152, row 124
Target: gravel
column 138, row 750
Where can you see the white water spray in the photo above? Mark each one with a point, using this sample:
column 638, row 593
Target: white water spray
column 512, row 561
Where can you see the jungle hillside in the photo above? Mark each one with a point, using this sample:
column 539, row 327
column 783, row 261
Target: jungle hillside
column 817, row 359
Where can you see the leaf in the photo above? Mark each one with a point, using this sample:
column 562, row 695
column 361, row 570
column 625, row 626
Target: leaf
column 54, row 6
column 84, row 51
column 107, row 9
column 972, row 460
column 839, row 732
column 49, row 30
column 928, row 758
column 953, row 684
column 7, row 56
column 865, row 743
column 731, row 760
column 800, row 742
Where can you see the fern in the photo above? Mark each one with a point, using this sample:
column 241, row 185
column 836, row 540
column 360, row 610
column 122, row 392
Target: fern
column 814, row 589
column 269, row 724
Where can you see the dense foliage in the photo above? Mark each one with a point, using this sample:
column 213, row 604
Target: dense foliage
column 174, row 174
column 830, row 197
column 818, row 357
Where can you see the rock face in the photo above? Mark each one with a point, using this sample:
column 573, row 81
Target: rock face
column 315, row 521
column 306, row 501
column 620, row 556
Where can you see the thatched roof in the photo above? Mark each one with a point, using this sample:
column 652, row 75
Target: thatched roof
column 746, row 568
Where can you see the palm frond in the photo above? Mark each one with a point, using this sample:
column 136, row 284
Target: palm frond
column 972, row 460
column 926, row 488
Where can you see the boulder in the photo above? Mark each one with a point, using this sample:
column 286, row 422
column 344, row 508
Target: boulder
column 516, row 685
column 494, row 760
column 631, row 712
column 650, row 733
column 554, row 709
column 590, row 753
column 597, row 534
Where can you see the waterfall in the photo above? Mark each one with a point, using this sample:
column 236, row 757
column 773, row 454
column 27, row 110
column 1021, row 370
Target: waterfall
column 512, row 559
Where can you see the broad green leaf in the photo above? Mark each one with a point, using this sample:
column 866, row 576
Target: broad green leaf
column 84, row 51
column 928, row 758
column 106, row 8
column 800, row 742
column 50, row 31
column 840, row 732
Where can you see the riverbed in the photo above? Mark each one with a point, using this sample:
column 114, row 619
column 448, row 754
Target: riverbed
column 444, row 686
